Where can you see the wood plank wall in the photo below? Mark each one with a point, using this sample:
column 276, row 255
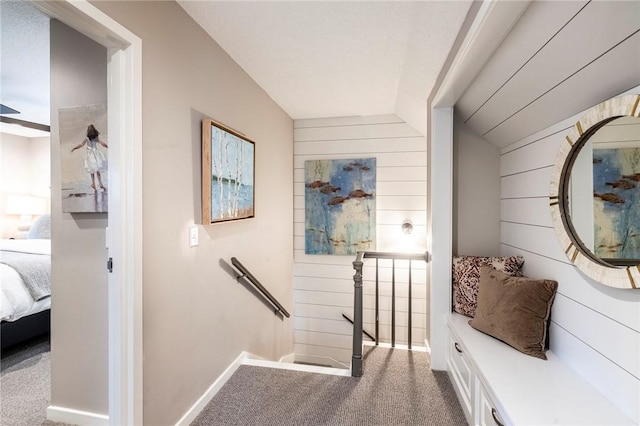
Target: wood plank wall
column 323, row 285
column 595, row 329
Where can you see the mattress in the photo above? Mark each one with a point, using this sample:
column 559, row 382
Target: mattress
column 15, row 299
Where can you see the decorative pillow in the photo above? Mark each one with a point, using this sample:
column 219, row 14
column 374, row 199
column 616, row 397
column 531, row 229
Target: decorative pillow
column 466, row 274
column 515, row 310
column 41, row 228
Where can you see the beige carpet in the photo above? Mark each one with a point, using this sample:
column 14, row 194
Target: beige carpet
column 25, row 384
column 397, row 388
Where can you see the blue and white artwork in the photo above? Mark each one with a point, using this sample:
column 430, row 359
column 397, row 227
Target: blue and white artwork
column 232, row 180
column 616, row 193
column 340, row 206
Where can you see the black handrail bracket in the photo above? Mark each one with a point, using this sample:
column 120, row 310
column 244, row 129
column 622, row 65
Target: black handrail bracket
column 254, row 281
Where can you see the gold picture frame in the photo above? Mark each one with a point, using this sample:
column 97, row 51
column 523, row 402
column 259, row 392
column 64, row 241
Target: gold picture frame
column 228, row 174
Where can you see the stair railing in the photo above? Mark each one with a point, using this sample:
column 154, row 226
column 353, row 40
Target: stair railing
column 356, row 358
column 253, row 280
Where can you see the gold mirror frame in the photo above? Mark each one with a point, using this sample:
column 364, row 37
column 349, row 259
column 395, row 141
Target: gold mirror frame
column 613, row 276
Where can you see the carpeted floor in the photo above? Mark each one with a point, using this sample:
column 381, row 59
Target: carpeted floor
column 25, row 384
column 397, row 388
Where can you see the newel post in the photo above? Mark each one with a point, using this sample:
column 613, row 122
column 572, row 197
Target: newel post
column 356, row 359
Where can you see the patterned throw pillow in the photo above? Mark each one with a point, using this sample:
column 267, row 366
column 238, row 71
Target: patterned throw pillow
column 466, row 275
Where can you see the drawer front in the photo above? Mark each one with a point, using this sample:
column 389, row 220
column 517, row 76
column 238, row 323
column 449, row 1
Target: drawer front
column 487, row 413
column 461, row 371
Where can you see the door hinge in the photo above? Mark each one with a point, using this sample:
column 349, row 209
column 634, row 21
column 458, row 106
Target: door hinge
column 110, row 265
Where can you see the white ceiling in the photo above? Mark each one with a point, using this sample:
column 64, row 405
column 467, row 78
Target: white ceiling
column 338, row 58
column 24, row 68
column 315, row 59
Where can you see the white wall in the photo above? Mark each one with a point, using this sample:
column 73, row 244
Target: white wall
column 324, row 284
column 24, row 169
column 595, row 329
column 476, row 193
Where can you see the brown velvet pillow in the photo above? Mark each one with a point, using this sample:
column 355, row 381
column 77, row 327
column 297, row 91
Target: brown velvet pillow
column 466, row 275
column 515, row 310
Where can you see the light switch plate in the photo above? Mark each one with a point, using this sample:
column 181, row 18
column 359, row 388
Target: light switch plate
column 193, row 236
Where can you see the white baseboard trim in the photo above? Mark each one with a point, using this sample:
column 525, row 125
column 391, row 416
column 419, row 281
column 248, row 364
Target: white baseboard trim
column 298, row 367
column 199, row 405
column 291, row 358
column 319, row 360
column 76, row 417
column 399, row 346
column 427, row 347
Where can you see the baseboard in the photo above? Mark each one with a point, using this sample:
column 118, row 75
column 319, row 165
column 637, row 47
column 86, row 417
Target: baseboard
column 427, row 347
column 291, row 358
column 414, row 348
column 199, row 405
column 299, row 367
column 76, row 417
column 320, row 360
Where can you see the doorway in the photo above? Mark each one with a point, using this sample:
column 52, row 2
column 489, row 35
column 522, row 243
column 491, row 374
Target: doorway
column 124, row 230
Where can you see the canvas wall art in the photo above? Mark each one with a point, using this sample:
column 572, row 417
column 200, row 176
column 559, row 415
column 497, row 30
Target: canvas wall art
column 616, row 192
column 340, row 206
column 228, row 164
column 83, row 154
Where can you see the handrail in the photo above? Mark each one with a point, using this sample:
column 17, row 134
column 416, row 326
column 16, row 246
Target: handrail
column 397, row 256
column 356, row 358
column 253, row 280
column 365, row 332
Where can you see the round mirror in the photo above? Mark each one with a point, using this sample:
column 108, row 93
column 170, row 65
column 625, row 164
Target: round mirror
column 595, row 193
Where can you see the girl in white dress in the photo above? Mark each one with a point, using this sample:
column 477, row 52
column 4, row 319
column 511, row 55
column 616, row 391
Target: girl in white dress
column 94, row 160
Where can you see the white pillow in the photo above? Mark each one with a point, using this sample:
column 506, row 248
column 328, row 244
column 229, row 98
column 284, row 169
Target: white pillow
column 41, row 228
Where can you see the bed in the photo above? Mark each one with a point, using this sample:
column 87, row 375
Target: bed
column 25, row 280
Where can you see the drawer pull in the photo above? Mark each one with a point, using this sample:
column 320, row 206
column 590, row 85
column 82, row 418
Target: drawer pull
column 455, row 345
column 494, row 414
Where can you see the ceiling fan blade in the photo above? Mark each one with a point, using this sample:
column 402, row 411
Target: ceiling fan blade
column 6, row 110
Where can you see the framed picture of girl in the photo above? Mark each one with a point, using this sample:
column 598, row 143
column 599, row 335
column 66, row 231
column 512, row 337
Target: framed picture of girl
column 83, row 153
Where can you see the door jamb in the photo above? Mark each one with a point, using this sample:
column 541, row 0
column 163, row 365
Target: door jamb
column 124, row 234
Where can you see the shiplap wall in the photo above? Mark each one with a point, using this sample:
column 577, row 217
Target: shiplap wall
column 323, row 285
column 594, row 329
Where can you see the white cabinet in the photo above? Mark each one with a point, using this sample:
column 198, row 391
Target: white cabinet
column 461, row 374
column 473, row 396
column 486, row 413
column 499, row 386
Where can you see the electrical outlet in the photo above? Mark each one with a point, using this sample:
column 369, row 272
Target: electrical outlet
column 193, row 236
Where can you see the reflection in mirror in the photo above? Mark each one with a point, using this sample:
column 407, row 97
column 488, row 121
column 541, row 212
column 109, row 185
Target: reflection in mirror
column 604, row 192
column 594, row 193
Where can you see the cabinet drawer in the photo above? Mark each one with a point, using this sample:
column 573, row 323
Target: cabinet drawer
column 461, row 372
column 487, row 413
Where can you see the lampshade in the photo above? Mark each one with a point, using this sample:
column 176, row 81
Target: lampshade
column 25, row 205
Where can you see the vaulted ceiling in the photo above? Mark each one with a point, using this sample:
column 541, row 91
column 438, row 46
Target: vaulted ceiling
column 338, row 58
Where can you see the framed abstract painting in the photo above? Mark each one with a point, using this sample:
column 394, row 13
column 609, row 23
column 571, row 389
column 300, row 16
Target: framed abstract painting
column 228, row 166
column 340, row 206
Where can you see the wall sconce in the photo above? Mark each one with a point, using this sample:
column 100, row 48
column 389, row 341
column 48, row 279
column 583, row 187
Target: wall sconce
column 407, row 227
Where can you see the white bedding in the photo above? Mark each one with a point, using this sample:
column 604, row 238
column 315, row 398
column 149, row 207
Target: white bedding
column 15, row 300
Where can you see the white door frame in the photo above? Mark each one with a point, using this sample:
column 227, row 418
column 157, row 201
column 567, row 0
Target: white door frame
column 124, row 234
column 488, row 27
